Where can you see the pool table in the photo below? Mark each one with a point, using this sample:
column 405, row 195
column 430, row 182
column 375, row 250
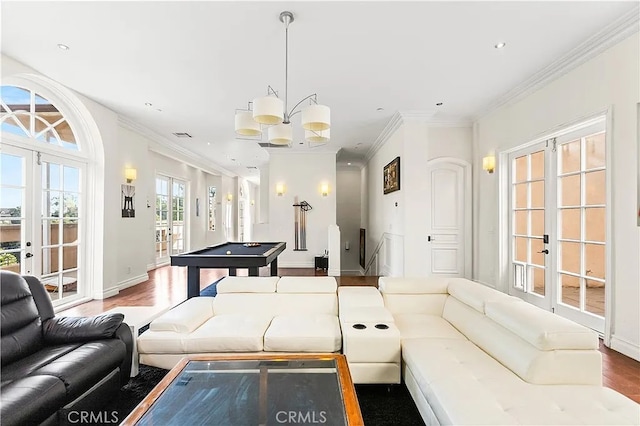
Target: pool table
column 228, row 255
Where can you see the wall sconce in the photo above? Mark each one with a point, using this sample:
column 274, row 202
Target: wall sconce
column 280, row 189
column 489, row 163
column 324, row 189
column 229, row 196
column 253, row 202
column 130, row 174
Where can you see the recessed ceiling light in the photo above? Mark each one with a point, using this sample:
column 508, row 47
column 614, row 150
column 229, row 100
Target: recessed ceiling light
column 208, row 143
column 148, row 104
column 500, row 45
column 63, row 46
column 348, row 164
column 159, row 110
column 439, row 104
column 379, row 109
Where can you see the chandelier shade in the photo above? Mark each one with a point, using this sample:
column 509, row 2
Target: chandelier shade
column 281, row 134
column 317, row 137
column 316, row 118
column 246, row 125
column 268, row 110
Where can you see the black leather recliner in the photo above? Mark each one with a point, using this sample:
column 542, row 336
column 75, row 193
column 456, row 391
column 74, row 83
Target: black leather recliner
column 53, row 366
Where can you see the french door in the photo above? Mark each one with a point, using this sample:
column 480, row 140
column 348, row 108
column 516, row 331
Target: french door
column 170, row 217
column 41, row 220
column 557, row 209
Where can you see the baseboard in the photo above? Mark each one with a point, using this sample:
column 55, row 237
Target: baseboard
column 351, row 272
column 333, row 272
column 626, row 348
column 151, row 267
column 105, row 294
column 132, row 281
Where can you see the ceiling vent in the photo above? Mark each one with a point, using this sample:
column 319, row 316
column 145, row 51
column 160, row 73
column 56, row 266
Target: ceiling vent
column 181, row 135
column 269, row 145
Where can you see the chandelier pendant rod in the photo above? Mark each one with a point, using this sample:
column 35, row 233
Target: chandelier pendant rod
column 287, row 18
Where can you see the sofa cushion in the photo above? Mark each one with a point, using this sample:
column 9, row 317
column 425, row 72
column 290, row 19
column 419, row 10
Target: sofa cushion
column 414, row 326
column 413, row 285
column 356, row 296
column 185, row 317
column 85, row 366
column 307, row 285
column 161, row 342
column 544, row 330
column 476, row 294
column 245, row 303
column 19, row 398
column 306, row 303
column 366, row 314
column 80, row 329
column 26, row 366
column 303, row 333
column 247, row 285
column 430, row 304
column 229, row 333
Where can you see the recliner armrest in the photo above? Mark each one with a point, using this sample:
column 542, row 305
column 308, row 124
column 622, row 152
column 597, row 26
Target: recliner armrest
column 80, row 329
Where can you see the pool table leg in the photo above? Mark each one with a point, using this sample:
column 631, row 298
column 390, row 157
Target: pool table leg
column 274, row 267
column 253, row 272
column 193, row 281
column 233, row 272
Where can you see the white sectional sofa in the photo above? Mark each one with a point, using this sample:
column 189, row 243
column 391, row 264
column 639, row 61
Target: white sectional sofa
column 249, row 315
column 473, row 355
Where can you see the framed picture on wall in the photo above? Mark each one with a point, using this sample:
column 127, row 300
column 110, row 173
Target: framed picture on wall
column 128, row 208
column 391, row 176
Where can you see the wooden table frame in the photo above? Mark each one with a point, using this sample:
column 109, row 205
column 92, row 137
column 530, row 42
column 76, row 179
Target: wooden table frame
column 351, row 406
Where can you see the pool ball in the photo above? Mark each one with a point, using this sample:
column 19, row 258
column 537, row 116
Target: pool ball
column 228, row 251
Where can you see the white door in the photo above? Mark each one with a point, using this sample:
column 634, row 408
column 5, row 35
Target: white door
column 42, row 220
column 448, row 218
column 171, row 225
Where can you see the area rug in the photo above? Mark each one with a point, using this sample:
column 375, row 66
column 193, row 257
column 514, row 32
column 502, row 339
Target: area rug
column 212, row 289
column 381, row 405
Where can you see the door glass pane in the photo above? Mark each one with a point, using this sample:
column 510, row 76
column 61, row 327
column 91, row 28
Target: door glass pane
column 569, row 226
column 521, row 222
column 594, row 297
column 520, row 245
column 537, row 194
column 538, row 280
column 570, row 290
column 594, row 260
column 11, row 211
column 520, row 195
column 569, row 190
column 570, row 257
column 11, row 171
column 595, row 151
column 51, row 176
column 50, row 259
column 70, row 231
column 520, row 165
column 595, row 187
column 569, row 154
column 595, row 224
column 537, row 165
column 537, row 223
column 537, row 246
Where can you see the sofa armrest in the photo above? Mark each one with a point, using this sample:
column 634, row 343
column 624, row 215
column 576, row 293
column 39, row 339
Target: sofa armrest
column 123, row 332
column 80, row 329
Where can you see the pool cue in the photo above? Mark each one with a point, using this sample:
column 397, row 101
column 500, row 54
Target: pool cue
column 295, row 213
column 303, row 228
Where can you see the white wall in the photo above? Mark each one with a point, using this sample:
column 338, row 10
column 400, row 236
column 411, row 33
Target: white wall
column 416, row 141
column 302, row 175
column 348, row 216
column 608, row 80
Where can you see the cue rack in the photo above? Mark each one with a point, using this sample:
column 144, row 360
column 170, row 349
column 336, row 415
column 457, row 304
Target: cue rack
column 300, row 224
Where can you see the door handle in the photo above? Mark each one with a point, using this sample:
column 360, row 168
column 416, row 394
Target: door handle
column 545, row 251
column 429, row 238
column 28, row 255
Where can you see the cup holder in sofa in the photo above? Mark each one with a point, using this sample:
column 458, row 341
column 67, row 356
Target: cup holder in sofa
column 381, row 326
column 359, row 326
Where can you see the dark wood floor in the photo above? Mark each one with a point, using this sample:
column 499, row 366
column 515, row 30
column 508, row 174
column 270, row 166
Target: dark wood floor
column 167, row 287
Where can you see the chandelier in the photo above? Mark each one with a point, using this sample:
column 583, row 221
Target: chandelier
column 272, row 111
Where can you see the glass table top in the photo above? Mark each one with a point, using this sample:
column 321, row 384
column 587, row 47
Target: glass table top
column 251, row 392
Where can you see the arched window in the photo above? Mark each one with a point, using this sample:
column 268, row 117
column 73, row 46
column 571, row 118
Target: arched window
column 43, row 181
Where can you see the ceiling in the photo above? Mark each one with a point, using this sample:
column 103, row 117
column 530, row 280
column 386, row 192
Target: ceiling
column 199, row 61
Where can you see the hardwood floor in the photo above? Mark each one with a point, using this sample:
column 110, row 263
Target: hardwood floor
column 167, row 287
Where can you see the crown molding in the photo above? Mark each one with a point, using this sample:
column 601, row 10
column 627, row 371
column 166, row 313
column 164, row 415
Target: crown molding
column 615, row 32
column 191, row 158
column 400, row 117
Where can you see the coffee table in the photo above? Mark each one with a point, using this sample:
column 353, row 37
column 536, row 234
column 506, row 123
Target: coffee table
column 262, row 389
